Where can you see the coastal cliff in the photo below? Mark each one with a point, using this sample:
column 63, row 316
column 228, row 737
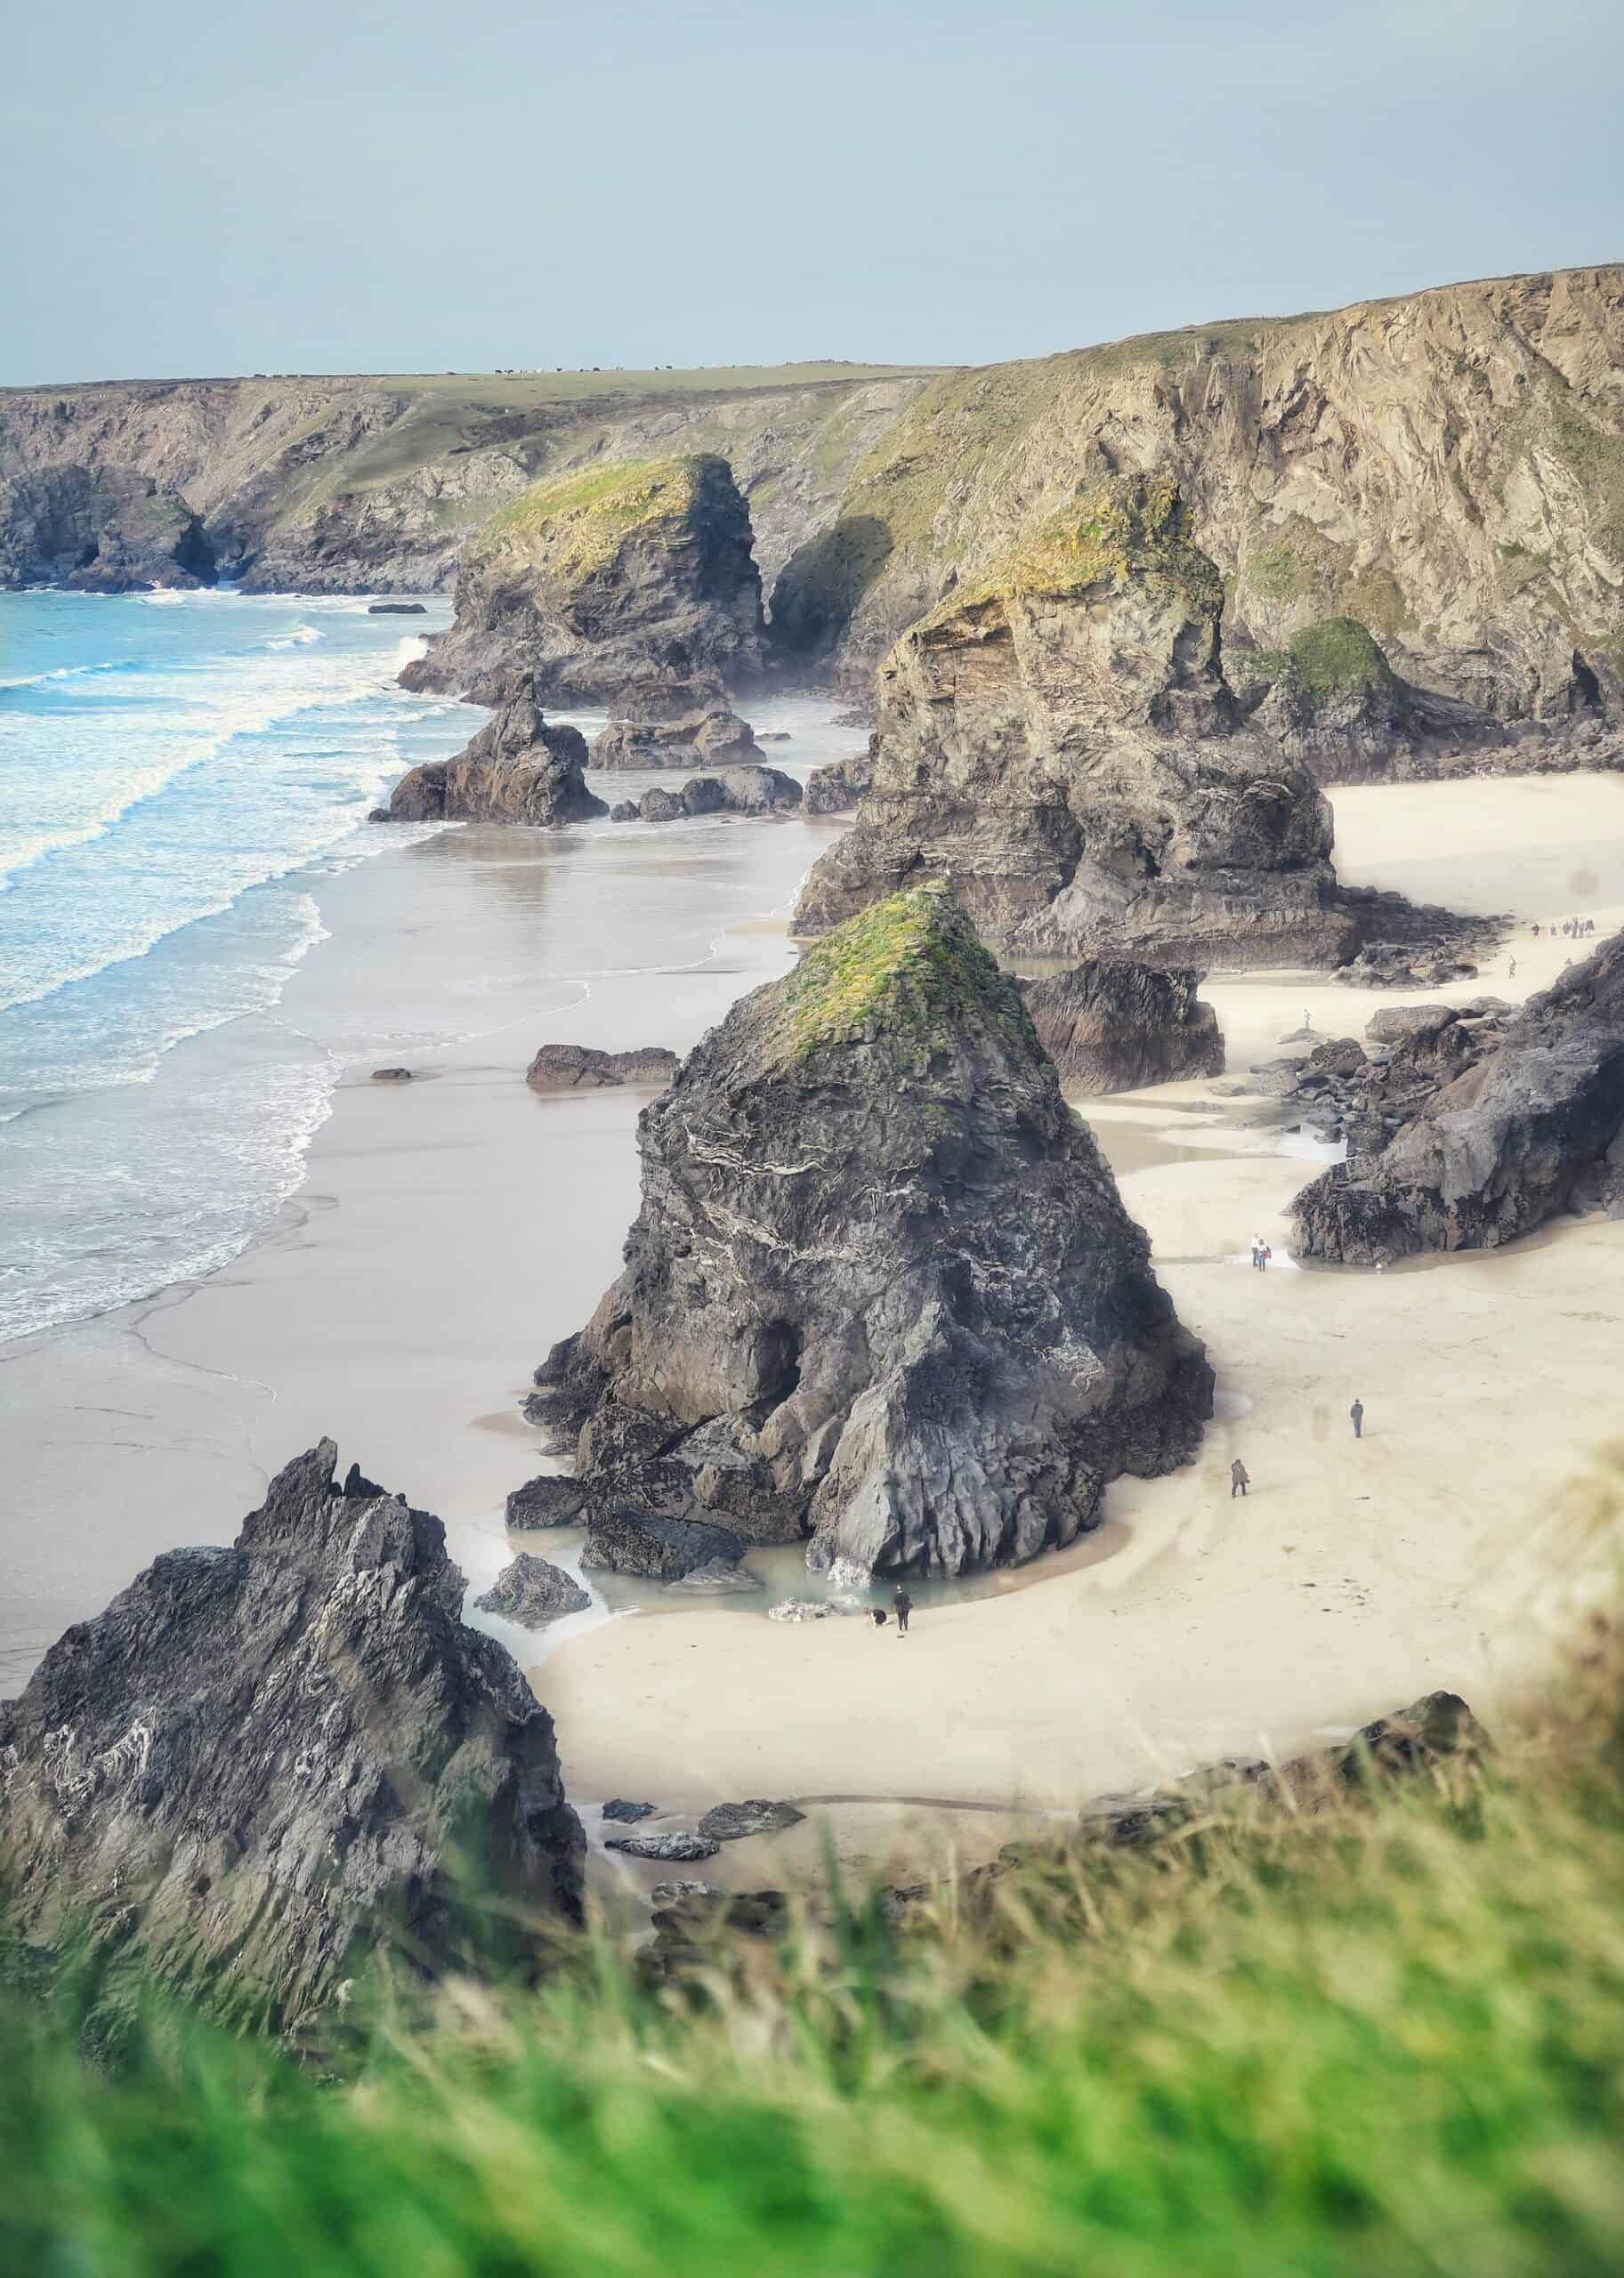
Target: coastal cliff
column 882, row 1289
column 1445, row 470
column 261, row 1763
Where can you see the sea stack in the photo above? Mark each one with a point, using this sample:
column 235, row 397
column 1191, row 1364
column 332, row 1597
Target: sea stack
column 881, row 1291
column 1113, row 1026
column 517, row 769
column 256, row 1764
column 1057, row 736
column 631, row 586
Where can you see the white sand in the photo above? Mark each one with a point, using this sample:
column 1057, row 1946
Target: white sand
column 451, row 1229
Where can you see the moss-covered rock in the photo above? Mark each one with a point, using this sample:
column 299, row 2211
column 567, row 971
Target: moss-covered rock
column 632, row 584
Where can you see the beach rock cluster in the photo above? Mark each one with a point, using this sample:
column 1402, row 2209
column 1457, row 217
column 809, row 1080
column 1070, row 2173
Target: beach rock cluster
column 717, row 738
column 881, row 1290
column 1111, row 1025
column 256, row 1767
column 1525, row 1119
column 531, row 1590
column 1058, row 739
column 631, row 585
column 516, row 769
column 1345, row 1091
column 750, row 791
column 582, row 1067
column 99, row 529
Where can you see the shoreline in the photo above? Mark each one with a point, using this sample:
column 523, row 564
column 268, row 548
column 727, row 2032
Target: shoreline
column 448, row 1230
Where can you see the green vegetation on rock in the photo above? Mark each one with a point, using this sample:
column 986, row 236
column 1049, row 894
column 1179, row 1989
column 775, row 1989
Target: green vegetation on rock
column 1134, row 528
column 1334, row 657
column 585, row 516
column 905, row 970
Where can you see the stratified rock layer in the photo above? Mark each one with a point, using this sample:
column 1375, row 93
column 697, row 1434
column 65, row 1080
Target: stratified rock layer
column 255, row 1765
column 1059, row 739
column 882, row 1288
column 1112, row 1026
column 632, row 584
column 1535, row 1127
column 517, row 770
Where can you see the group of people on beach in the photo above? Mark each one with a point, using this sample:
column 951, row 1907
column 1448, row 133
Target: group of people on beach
column 1261, row 1254
column 1574, row 929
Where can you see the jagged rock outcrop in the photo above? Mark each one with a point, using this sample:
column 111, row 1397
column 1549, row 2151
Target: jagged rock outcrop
column 837, row 789
column 1113, row 1026
column 551, row 1500
column 1533, row 1125
column 750, row 791
column 255, row 1765
column 881, row 1289
column 1444, row 468
column 533, row 1590
column 719, row 737
column 1059, row 741
column 102, row 529
column 582, row 1067
column 632, row 584
column 517, row 770
column 622, row 1539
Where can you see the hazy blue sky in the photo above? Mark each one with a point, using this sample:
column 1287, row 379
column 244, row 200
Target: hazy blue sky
column 202, row 186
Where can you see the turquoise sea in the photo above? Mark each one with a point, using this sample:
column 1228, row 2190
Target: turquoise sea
column 177, row 771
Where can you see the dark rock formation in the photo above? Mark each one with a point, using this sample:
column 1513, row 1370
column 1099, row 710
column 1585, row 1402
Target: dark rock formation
column 548, row 1501
column 392, row 1075
column 1403, row 964
column 256, row 1763
column 1113, row 1026
column 837, row 789
column 750, row 791
column 582, row 1067
column 1534, row 1125
column 730, row 1822
column 1058, row 739
column 99, row 530
column 628, row 1813
column 396, row 608
column 516, row 769
column 632, row 584
column 624, row 810
column 673, row 1844
column 717, row 1578
column 882, row 1288
column 719, row 737
column 622, row 1539
column 531, row 1590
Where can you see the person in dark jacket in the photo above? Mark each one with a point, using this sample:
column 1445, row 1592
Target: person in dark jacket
column 1240, row 1479
column 904, row 1605
column 1357, row 1412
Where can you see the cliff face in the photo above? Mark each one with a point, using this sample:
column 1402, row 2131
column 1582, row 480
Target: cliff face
column 351, row 485
column 1113, row 1026
column 1535, row 1127
column 1446, row 470
column 99, row 530
column 881, row 1289
column 634, row 585
column 1059, row 739
column 516, row 769
column 254, row 1765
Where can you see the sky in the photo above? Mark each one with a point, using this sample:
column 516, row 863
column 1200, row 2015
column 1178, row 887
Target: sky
column 193, row 187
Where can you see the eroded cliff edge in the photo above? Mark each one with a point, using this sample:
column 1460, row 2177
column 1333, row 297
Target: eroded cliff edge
column 881, row 1290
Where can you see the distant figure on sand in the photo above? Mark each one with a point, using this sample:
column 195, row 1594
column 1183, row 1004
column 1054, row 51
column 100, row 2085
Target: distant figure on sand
column 1240, row 1479
column 1357, row 1412
column 904, row 1605
column 878, row 1613
column 1512, row 972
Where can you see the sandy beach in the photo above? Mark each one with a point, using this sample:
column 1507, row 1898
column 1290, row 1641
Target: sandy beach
column 450, row 1229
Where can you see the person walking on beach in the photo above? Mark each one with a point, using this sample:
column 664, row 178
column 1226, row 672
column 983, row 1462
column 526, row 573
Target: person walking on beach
column 1357, row 1412
column 1240, row 1479
column 904, row 1605
column 1512, row 972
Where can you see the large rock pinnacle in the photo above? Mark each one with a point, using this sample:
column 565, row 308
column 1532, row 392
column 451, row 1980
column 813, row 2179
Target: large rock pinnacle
column 882, row 1289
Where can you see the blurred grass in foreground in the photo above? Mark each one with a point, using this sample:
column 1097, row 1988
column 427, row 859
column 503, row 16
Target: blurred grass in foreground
column 1384, row 2034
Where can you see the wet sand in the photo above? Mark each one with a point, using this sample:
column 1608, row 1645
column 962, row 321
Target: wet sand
column 450, row 1229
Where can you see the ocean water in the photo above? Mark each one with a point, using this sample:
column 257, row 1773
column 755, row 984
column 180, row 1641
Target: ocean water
column 178, row 773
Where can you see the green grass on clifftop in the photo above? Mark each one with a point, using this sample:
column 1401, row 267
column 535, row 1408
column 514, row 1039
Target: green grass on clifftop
column 911, row 967
column 1380, row 2039
column 1136, row 527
